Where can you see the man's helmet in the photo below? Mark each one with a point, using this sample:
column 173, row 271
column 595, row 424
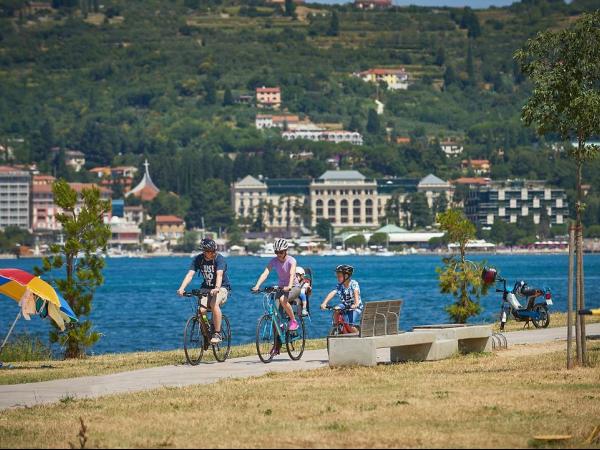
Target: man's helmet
column 345, row 269
column 208, row 245
column 300, row 271
column 280, row 245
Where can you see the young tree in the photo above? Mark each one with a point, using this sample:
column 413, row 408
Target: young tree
column 357, row 241
column 77, row 258
column 440, row 57
column 324, row 228
column 379, row 239
column 460, row 277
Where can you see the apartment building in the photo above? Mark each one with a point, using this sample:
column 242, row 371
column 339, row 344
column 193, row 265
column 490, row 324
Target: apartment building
column 268, row 97
column 15, row 198
column 513, row 199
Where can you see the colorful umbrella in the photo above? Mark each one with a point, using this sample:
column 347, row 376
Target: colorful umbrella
column 34, row 296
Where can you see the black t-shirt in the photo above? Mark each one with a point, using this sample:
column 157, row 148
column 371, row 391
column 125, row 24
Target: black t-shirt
column 209, row 268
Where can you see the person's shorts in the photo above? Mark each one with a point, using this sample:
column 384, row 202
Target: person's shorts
column 352, row 316
column 292, row 295
column 221, row 298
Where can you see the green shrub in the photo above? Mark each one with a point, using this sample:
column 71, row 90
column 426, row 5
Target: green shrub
column 26, row 347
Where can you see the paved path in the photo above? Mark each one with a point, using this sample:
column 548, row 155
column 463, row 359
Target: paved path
column 32, row 394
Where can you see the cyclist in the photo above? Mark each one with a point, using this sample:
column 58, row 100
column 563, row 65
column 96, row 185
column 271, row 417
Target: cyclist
column 213, row 268
column 285, row 266
column 348, row 291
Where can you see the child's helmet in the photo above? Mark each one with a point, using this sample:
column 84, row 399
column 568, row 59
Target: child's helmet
column 300, row 271
column 345, row 269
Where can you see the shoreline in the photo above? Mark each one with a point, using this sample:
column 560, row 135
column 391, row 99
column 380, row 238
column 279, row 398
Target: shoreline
column 345, row 255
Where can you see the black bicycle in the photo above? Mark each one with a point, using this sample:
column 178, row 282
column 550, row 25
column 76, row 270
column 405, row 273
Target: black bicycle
column 199, row 330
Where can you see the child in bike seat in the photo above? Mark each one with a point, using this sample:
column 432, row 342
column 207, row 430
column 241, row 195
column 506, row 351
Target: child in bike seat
column 304, row 283
column 348, row 291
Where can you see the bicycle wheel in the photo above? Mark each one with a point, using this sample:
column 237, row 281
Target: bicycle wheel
column 222, row 350
column 544, row 319
column 266, row 338
column 295, row 341
column 193, row 341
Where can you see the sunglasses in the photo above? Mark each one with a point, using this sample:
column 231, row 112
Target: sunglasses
column 283, row 252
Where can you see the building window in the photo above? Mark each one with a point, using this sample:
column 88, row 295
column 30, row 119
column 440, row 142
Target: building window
column 331, row 209
column 356, row 210
column 319, row 208
column 369, row 210
column 344, row 208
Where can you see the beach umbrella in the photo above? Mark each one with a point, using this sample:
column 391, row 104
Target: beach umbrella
column 35, row 297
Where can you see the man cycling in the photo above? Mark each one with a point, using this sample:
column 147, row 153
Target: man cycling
column 213, row 268
column 285, row 266
column 348, row 292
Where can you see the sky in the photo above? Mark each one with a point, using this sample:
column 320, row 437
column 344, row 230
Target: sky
column 458, row 3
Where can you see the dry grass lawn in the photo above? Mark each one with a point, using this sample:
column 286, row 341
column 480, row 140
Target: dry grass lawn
column 498, row 400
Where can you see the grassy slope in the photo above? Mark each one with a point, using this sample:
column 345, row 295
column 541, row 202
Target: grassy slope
column 31, row 372
column 498, row 400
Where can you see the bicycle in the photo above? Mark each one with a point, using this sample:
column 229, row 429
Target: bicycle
column 272, row 329
column 341, row 327
column 199, row 330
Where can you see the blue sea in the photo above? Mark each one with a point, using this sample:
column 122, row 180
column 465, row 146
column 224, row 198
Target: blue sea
column 137, row 308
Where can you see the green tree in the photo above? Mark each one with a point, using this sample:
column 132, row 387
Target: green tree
column 290, row 8
column 564, row 67
column 471, row 66
column 373, row 124
column 334, row 25
column 460, row 277
column 440, row 57
column 379, row 239
column 419, row 211
column 357, row 241
column 324, row 228
column 449, row 76
column 210, row 91
column 228, row 98
column 78, row 260
column 189, row 242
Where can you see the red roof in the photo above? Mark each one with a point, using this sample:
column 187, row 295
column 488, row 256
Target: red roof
column 473, row 180
column 381, row 71
column 8, row 169
column 164, row 220
column 266, row 90
column 43, row 179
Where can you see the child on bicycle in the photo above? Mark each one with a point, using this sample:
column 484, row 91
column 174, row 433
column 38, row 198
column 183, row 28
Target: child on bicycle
column 348, row 292
column 305, row 289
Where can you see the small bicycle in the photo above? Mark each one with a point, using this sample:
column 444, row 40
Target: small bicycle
column 199, row 330
column 272, row 329
column 341, row 326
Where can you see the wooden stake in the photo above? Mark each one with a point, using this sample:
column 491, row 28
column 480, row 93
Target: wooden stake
column 570, row 298
column 578, row 294
column 582, row 317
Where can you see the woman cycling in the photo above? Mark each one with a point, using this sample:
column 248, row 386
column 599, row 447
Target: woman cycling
column 285, row 266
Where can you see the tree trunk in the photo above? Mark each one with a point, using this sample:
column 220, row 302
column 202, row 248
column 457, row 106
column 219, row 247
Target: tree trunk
column 581, row 354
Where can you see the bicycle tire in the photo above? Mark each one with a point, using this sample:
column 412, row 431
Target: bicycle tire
column 223, row 350
column 295, row 342
column 266, row 338
column 193, row 341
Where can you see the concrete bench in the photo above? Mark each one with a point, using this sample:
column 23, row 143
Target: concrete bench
column 380, row 329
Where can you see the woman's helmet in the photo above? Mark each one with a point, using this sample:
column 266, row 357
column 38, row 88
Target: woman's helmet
column 345, row 269
column 208, row 245
column 280, row 245
column 300, row 271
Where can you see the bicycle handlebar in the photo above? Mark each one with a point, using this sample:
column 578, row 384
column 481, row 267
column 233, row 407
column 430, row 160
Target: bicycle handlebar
column 268, row 290
column 197, row 293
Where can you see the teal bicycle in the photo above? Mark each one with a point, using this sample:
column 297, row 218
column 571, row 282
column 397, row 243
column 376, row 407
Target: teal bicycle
column 272, row 329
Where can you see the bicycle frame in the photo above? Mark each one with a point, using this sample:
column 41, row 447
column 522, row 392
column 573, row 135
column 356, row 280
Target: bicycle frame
column 271, row 308
column 341, row 321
